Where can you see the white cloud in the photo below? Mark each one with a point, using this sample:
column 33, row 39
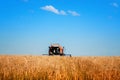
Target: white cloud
column 115, row 4
column 50, row 8
column 74, row 13
column 63, row 12
column 53, row 9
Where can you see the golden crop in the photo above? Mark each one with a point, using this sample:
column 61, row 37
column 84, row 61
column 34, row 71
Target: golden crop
column 59, row 68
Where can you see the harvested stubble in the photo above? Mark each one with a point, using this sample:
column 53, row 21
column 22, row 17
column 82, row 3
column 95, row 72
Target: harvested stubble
column 59, row 68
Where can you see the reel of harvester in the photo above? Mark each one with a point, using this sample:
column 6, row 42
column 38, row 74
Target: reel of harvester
column 56, row 49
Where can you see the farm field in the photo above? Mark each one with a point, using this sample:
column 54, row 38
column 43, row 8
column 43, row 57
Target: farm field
column 59, row 68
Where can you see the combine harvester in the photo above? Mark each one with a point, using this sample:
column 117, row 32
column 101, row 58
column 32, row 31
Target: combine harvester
column 56, row 49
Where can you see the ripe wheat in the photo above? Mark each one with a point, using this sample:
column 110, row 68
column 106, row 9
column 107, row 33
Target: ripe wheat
column 59, row 68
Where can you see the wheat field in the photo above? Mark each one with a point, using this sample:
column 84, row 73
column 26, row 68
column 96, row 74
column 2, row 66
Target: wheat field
column 59, row 68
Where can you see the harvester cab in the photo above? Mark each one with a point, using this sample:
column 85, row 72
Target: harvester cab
column 56, row 49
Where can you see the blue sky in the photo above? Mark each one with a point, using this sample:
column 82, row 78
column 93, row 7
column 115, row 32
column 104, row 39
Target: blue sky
column 83, row 27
